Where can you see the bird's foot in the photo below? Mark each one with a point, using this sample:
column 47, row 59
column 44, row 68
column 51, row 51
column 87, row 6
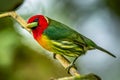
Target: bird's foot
column 69, row 67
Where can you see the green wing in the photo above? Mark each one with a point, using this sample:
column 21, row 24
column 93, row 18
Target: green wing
column 59, row 31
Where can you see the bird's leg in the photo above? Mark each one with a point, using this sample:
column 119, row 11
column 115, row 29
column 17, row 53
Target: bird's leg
column 72, row 64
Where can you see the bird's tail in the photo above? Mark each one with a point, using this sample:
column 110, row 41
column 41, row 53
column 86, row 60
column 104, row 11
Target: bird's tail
column 101, row 49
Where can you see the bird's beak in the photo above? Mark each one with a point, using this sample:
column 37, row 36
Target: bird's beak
column 32, row 25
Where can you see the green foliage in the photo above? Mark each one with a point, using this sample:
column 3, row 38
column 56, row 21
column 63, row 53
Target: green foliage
column 88, row 77
column 6, row 5
column 114, row 6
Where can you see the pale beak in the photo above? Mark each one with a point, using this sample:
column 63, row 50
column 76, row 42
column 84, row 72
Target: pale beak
column 32, row 25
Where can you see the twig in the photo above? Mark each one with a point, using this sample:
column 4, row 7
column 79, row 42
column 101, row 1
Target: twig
column 18, row 18
column 23, row 23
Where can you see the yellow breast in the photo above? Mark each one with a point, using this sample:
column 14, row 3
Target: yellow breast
column 45, row 42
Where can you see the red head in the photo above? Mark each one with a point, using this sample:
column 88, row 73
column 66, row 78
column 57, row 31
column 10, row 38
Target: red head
column 42, row 25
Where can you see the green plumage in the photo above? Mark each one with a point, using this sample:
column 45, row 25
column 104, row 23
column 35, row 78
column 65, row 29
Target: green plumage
column 67, row 41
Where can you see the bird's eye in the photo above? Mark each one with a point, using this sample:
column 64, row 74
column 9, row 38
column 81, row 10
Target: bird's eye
column 36, row 20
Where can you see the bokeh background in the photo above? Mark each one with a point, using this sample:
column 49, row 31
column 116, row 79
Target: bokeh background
column 21, row 58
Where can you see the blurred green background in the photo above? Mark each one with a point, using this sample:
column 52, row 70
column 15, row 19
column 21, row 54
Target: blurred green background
column 21, row 58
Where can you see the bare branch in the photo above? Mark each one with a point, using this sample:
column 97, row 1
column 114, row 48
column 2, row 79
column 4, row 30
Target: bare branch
column 18, row 18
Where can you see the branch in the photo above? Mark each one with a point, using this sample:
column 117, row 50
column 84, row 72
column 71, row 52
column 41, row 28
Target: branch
column 18, row 18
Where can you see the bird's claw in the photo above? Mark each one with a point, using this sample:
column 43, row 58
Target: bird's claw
column 69, row 67
column 54, row 56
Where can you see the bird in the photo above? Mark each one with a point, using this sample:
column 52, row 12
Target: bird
column 59, row 38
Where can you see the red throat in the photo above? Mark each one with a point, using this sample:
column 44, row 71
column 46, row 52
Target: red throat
column 42, row 25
